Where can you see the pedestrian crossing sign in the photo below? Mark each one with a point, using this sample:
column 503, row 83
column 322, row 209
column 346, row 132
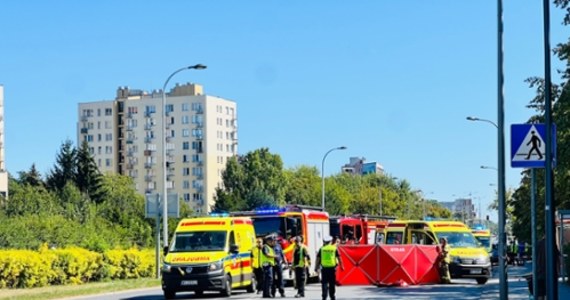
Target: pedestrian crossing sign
column 528, row 147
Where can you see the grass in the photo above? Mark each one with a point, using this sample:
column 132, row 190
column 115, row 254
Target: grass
column 57, row 292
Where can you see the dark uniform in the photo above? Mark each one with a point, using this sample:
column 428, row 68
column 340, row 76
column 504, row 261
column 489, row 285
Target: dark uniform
column 444, row 260
column 278, row 283
column 267, row 263
column 328, row 257
column 301, row 260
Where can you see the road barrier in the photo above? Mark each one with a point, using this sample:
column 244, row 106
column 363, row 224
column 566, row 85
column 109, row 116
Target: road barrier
column 388, row 265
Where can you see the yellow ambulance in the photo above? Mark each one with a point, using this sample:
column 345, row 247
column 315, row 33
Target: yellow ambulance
column 484, row 237
column 209, row 254
column 468, row 258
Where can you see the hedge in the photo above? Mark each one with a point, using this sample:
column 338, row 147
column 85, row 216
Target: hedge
column 27, row 268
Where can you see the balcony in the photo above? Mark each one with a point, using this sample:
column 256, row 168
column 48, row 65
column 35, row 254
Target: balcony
column 149, row 165
column 199, row 176
column 84, row 130
column 84, row 118
column 200, row 111
column 149, row 178
column 148, row 126
column 148, row 113
column 200, row 163
column 148, row 139
column 199, row 124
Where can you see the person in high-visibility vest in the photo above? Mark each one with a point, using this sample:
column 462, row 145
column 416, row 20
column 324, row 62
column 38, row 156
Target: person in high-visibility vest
column 256, row 264
column 328, row 259
column 301, row 260
column 267, row 263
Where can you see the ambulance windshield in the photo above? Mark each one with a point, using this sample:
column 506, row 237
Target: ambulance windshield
column 459, row 239
column 198, row 241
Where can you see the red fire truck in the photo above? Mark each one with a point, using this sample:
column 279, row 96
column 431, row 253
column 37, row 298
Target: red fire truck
column 358, row 229
column 288, row 222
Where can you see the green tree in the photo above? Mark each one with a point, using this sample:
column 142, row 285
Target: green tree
column 88, row 178
column 252, row 180
column 32, row 177
column 65, row 168
column 303, row 186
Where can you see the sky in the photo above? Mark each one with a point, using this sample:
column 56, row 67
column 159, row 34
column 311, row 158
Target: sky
column 393, row 81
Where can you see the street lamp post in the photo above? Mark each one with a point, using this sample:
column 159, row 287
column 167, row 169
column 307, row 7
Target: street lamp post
column 323, row 173
column 165, row 164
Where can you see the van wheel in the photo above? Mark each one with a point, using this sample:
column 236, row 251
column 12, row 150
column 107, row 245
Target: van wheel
column 482, row 280
column 251, row 288
column 168, row 294
column 199, row 293
column 228, row 287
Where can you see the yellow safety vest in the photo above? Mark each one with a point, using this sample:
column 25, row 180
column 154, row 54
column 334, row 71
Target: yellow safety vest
column 266, row 260
column 328, row 256
column 301, row 252
column 256, row 257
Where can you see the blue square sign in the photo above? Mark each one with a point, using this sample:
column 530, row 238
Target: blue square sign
column 528, row 149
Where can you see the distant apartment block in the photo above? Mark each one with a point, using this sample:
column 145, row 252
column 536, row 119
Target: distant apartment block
column 3, row 171
column 125, row 136
column 359, row 166
column 461, row 208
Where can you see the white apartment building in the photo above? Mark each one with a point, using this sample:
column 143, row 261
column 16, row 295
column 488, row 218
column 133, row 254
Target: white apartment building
column 3, row 171
column 125, row 136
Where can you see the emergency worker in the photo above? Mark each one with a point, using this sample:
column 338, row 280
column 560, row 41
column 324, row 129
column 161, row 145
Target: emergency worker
column 301, row 260
column 328, row 259
column 267, row 263
column 256, row 256
column 278, row 283
column 444, row 260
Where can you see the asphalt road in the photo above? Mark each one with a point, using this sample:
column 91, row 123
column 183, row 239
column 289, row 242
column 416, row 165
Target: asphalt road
column 459, row 289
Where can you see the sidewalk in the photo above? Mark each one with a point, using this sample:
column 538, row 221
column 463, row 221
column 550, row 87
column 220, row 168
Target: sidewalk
column 518, row 289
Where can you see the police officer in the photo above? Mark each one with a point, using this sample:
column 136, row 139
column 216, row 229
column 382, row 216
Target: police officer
column 278, row 283
column 267, row 263
column 328, row 258
column 301, row 260
column 444, row 260
column 256, row 264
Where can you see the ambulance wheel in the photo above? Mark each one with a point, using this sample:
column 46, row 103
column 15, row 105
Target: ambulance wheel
column 228, row 287
column 199, row 293
column 251, row 288
column 482, row 280
column 168, row 294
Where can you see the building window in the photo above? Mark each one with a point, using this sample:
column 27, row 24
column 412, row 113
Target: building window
column 108, row 111
column 169, row 108
column 108, row 162
column 184, row 158
column 108, row 137
column 185, row 145
column 186, row 184
column 99, row 137
column 150, row 109
column 185, row 106
column 187, row 197
column 185, row 171
column 185, row 119
column 185, row 133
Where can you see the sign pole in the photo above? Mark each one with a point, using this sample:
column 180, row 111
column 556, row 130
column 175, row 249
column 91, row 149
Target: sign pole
column 533, row 231
column 157, row 236
column 503, row 285
column 550, row 207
